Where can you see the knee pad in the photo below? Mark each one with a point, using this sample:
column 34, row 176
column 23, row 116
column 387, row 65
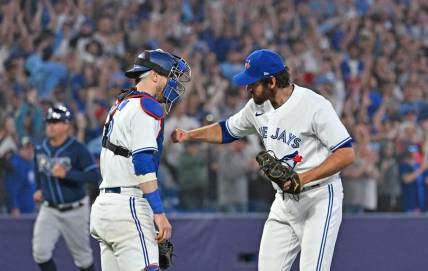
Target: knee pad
column 48, row 266
column 152, row 267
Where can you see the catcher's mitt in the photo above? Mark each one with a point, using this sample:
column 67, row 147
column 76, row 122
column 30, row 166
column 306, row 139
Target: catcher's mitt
column 166, row 251
column 279, row 173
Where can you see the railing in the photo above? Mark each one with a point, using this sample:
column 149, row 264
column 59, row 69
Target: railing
column 205, row 242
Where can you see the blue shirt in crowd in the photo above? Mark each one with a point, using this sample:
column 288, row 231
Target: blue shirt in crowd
column 20, row 185
column 414, row 192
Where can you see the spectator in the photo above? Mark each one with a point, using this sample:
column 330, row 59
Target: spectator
column 175, row 151
column 29, row 118
column 45, row 72
column 360, row 179
column 192, row 173
column 412, row 175
column 389, row 187
column 7, row 147
column 232, row 180
column 20, row 183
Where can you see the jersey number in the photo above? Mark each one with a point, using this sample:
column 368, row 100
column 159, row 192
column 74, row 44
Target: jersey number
column 119, row 108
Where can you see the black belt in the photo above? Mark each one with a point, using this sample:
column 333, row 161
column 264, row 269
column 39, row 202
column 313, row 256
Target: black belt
column 112, row 190
column 304, row 189
column 119, row 190
column 307, row 188
column 64, row 207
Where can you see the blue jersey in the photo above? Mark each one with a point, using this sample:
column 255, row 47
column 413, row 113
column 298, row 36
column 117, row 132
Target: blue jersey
column 78, row 163
column 414, row 193
column 20, row 185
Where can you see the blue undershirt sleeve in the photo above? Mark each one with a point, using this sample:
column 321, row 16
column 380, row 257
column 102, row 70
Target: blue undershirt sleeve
column 144, row 162
column 226, row 137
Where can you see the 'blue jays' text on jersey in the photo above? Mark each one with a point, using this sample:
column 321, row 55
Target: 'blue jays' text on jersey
column 306, row 125
column 78, row 163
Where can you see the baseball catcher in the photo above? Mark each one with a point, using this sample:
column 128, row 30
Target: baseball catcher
column 279, row 173
column 130, row 163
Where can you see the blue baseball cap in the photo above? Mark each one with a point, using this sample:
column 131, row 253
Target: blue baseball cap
column 259, row 64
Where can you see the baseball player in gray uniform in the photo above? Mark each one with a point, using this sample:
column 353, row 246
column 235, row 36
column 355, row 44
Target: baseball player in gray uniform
column 129, row 202
column 292, row 121
column 62, row 166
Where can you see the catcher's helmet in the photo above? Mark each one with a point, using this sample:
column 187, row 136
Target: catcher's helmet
column 58, row 113
column 171, row 66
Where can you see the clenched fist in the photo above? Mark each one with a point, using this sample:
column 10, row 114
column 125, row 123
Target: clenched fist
column 58, row 171
column 179, row 135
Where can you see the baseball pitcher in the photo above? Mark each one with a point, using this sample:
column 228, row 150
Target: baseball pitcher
column 306, row 147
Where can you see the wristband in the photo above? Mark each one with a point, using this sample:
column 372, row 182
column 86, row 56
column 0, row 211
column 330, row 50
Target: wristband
column 155, row 201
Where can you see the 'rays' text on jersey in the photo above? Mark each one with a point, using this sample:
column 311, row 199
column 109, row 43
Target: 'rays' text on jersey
column 281, row 135
column 46, row 163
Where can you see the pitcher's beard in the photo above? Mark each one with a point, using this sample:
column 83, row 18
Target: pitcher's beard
column 266, row 94
column 258, row 100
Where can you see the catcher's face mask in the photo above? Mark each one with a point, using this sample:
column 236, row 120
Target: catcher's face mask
column 173, row 67
column 179, row 74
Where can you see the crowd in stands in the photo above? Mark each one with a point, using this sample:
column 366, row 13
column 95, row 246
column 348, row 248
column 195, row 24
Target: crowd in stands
column 369, row 58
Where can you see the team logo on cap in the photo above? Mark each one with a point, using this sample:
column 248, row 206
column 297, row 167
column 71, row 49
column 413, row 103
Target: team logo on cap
column 247, row 64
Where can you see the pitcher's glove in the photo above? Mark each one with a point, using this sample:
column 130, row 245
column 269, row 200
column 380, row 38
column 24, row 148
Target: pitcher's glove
column 279, row 173
column 166, row 251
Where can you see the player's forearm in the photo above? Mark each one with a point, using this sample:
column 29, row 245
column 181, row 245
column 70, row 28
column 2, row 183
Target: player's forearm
column 210, row 133
column 152, row 195
column 148, row 187
column 337, row 161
